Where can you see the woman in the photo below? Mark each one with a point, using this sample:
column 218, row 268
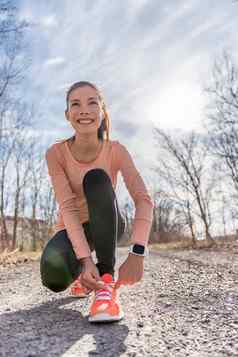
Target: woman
column 83, row 171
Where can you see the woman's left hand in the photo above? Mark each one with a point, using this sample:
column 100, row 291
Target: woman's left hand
column 131, row 271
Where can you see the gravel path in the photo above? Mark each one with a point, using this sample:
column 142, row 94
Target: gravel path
column 185, row 305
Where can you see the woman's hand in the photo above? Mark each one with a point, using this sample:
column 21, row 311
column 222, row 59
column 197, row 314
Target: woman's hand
column 131, row 271
column 90, row 277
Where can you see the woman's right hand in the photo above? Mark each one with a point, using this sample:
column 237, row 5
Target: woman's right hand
column 90, row 277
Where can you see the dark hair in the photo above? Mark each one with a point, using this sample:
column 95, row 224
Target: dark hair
column 103, row 130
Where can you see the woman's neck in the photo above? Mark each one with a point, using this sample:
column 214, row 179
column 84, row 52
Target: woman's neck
column 85, row 146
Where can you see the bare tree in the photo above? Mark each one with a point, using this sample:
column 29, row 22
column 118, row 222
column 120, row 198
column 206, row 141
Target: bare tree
column 22, row 155
column 168, row 217
column 47, row 207
column 6, row 154
column 15, row 117
column 222, row 116
column 37, row 174
column 6, row 149
column 127, row 212
column 14, row 120
column 12, row 30
column 182, row 164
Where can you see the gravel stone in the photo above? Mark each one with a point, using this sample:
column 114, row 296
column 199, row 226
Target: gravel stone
column 185, row 305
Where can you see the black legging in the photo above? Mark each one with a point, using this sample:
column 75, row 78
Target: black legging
column 59, row 266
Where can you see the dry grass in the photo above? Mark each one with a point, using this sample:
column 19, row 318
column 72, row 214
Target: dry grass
column 14, row 257
column 171, row 245
column 8, row 258
column 220, row 243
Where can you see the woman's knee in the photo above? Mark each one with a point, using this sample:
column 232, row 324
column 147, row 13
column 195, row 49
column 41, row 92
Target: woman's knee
column 54, row 272
column 94, row 180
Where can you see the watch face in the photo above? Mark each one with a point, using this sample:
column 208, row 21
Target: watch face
column 138, row 249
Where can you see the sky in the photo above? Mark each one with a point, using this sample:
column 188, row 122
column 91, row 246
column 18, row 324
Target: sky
column 150, row 59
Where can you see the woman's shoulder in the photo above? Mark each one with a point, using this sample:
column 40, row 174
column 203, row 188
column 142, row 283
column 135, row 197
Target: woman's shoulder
column 118, row 146
column 59, row 143
column 115, row 143
column 57, row 148
column 119, row 150
column 114, row 146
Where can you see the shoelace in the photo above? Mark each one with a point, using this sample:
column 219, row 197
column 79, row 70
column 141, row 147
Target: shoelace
column 77, row 283
column 104, row 293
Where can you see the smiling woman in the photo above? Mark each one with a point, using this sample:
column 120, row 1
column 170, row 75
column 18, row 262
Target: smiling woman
column 85, row 102
column 83, row 171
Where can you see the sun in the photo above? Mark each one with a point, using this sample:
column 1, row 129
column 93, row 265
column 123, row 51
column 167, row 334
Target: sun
column 179, row 105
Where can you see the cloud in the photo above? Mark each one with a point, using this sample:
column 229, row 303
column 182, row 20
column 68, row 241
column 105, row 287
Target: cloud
column 52, row 62
column 49, row 21
column 149, row 58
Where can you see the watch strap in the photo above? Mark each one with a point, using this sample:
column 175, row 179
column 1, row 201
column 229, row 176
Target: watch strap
column 138, row 249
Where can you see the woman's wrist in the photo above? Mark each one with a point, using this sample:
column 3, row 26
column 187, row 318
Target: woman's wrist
column 86, row 260
column 136, row 256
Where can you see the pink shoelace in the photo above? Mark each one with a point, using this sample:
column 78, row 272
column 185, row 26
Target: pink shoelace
column 104, row 293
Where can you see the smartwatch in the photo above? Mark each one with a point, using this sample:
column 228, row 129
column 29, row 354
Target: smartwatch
column 138, row 249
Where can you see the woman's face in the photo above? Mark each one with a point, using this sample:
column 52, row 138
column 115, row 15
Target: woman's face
column 84, row 110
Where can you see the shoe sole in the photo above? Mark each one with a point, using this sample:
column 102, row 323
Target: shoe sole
column 104, row 317
column 79, row 296
column 83, row 295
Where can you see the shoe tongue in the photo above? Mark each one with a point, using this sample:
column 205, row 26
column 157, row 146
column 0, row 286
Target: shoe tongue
column 107, row 278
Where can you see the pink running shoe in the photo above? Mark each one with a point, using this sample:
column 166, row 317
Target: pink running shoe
column 78, row 290
column 105, row 306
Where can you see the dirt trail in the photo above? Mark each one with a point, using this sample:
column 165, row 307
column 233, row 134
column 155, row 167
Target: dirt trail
column 186, row 305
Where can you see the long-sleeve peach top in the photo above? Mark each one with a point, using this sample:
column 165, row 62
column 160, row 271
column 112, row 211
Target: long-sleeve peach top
column 67, row 174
